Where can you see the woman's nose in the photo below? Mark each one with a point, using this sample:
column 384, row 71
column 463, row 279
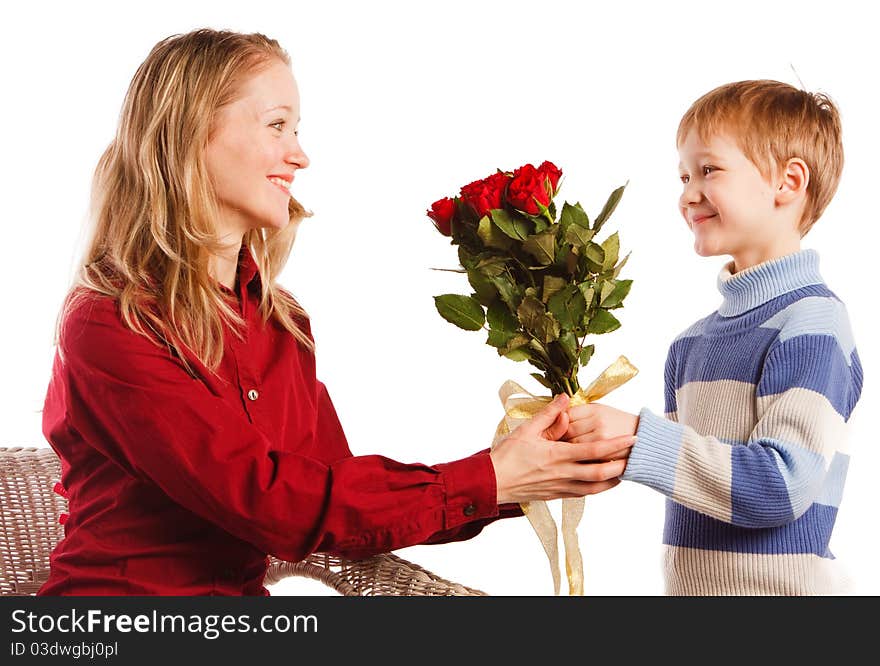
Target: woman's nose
column 296, row 155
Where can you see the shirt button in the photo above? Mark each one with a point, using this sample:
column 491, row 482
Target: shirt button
column 253, row 394
column 470, row 510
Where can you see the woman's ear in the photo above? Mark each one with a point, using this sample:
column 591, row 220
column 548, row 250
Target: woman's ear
column 793, row 181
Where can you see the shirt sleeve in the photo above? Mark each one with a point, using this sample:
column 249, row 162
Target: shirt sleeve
column 136, row 403
column 810, row 382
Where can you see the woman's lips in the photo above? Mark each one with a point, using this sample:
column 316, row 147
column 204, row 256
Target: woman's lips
column 280, row 183
column 699, row 219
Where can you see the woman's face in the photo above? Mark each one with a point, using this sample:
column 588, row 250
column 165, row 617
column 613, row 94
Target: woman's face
column 253, row 152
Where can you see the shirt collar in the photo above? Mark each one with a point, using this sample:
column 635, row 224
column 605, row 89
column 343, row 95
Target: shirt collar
column 247, row 267
column 763, row 282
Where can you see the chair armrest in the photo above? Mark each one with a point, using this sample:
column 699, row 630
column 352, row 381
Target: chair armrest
column 380, row 575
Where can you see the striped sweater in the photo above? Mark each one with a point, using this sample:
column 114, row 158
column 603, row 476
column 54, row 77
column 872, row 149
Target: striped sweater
column 752, row 454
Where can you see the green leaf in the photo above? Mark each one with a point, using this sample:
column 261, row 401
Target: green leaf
column 491, row 235
column 568, row 343
column 542, row 246
column 577, row 235
column 611, row 246
column 552, row 284
column 573, row 215
column 514, row 343
column 567, row 306
column 595, row 256
column 491, row 266
column 507, row 291
column 529, row 312
column 548, row 329
column 535, row 319
column 515, row 226
column 607, row 286
column 465, row 257
column 519, row 354
column 609, row 207
column 500, row 318
column 482, row 286
column 541, row 224
column 542, row 380
column 498, row 338
column 463, row 311
column 587, row 291
column 602, row 322
column 615, row 298
column 619, row 266
column 587, row 353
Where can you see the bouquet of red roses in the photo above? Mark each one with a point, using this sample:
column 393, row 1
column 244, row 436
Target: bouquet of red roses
column 541, row 284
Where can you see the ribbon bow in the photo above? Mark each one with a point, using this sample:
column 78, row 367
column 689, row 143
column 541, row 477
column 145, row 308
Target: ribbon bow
column 520, row 406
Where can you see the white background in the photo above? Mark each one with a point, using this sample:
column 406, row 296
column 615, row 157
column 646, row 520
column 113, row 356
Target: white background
column 401, row 105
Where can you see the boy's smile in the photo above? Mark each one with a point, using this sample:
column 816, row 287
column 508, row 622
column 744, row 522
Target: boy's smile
column 728, row 204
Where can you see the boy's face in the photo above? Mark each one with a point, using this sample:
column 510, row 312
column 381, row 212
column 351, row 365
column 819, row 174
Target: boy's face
column 726, row 202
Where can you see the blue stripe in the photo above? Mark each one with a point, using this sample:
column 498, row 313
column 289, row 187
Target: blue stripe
column 808, row 534
column 814, row 315
column 813, row 362
column 758, row 492
column 799, row 462
column 739, row 358
column 670, row 401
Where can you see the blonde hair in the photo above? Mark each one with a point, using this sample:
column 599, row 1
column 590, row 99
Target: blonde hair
column 153, row 206
column 772, row 123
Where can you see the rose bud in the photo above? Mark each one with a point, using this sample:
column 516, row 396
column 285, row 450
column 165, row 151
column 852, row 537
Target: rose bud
column 441, row 213
column 552, row 173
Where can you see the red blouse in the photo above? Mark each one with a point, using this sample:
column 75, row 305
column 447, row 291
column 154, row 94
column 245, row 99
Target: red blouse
column 181, row 485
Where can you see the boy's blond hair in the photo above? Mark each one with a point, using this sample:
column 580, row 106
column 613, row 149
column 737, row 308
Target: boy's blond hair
column 773, row 122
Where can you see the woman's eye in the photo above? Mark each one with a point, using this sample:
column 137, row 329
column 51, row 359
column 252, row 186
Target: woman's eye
column 279, row 125
column 684, row 179
column 707, row 170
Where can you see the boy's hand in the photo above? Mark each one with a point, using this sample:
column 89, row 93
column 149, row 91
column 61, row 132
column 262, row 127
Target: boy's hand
column 530, row 465
column 601, row 425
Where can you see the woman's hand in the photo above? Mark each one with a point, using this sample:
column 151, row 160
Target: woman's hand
column 595, row 423
column 531, row 465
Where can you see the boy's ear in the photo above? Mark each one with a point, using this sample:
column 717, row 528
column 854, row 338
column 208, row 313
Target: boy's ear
column 793, row 180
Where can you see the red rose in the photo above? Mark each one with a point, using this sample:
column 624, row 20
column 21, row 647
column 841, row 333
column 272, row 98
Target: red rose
column 484, row 195
column 527, row 186
column 442, row 212
column 553, row 173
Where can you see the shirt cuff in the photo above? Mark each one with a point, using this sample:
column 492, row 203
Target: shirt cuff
column 471, row 493
column 653, row 457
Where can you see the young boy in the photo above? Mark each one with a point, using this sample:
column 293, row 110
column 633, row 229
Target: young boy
column 751, row 453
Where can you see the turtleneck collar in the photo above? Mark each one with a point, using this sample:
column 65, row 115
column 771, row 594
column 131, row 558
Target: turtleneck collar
column 763, row 282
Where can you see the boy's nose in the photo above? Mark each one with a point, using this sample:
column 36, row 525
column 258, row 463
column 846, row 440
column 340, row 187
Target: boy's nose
column 691, row 194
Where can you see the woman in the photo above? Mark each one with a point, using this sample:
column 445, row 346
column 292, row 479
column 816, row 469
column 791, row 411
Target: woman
column 193, row 434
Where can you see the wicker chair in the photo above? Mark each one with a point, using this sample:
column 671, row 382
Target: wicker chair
column 29, row 530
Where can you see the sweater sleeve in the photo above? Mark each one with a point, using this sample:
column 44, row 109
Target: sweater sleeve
column 135, row 403
column 809, row 384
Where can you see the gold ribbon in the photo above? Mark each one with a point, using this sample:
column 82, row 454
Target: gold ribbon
column 520, row 406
